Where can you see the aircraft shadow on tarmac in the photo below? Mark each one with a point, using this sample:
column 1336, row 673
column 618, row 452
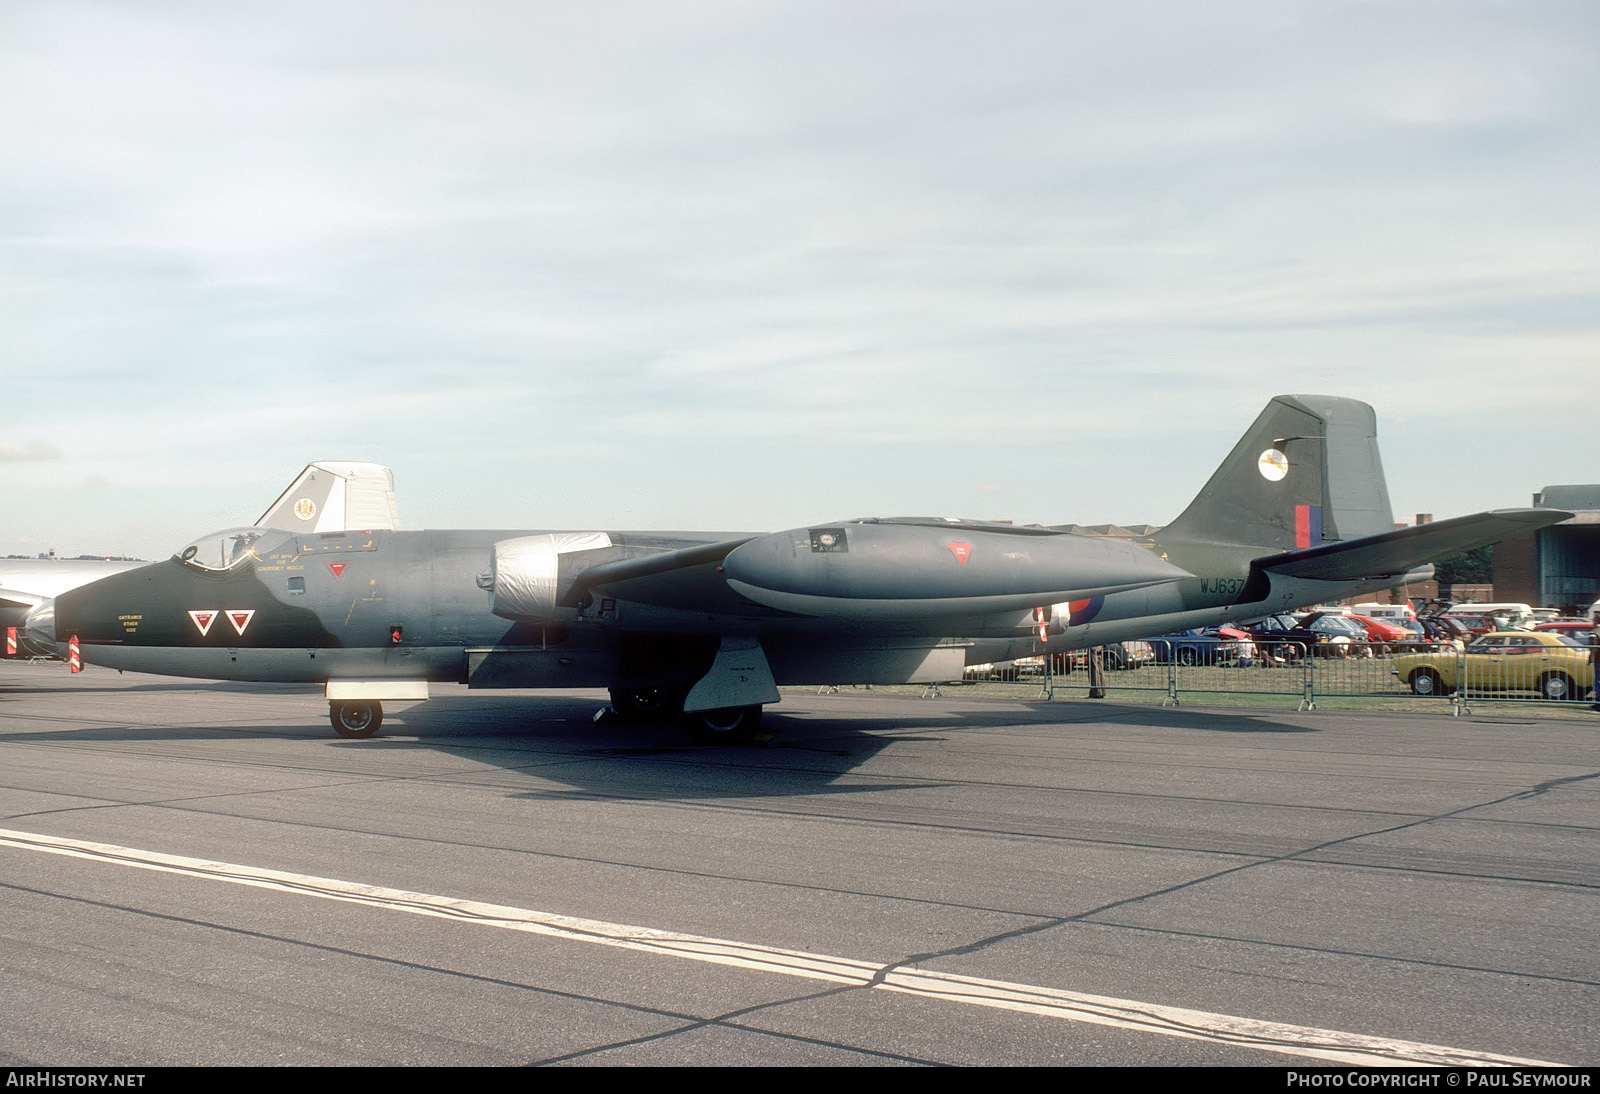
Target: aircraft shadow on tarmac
column 804, row 751
column 557, row 739
column 165, row 685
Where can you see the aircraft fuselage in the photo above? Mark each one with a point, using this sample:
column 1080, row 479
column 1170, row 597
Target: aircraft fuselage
column 415, row 606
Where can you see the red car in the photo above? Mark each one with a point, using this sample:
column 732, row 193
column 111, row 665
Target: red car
column 1477, row 624
column 1579, row 630
column 1382, row 633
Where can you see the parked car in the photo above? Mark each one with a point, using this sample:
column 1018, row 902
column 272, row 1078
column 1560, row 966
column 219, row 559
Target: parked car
column 1440, row 632
column 1550, row 665
column 1475, row 624
column 1514, row 608
column 1417, row 637
column 1224, row 645
column 1383, row 633
column 1507, row 615
column 1128, row 655
column 1346, row 635
column 1580, row 631
column 1003, row 671
column 1285, row 638
column 1117, row 655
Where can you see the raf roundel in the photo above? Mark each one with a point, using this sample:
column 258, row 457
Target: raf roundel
column 1273, row 465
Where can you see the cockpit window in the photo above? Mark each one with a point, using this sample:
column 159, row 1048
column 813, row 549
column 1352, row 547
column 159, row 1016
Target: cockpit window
column 235, row 547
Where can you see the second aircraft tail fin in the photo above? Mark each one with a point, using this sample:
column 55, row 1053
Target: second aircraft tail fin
column 333, row 496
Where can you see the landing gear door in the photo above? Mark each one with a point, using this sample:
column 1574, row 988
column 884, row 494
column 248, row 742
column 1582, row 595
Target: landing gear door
column 738, row 677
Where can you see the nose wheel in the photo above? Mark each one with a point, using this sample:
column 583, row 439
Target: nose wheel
column 355, row 717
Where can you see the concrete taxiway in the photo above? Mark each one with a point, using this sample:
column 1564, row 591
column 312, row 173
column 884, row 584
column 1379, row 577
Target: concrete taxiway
column 200, row 873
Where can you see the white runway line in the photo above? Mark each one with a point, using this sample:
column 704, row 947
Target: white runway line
column 1321, row 1044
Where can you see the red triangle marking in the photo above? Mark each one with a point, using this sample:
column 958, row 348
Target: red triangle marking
column 240, row 619
column 962, row 551
column 338, row 569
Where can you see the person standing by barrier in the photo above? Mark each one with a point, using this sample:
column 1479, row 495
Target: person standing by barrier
column 1594, row 664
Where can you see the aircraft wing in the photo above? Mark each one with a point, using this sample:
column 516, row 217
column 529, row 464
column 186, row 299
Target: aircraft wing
column 688, row 577
column 1391, row 554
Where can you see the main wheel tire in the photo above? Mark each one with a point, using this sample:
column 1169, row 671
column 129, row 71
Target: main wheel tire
column 1425, row 682
column 647, row 704
column 355, row 718
column 1557, row 685
column 726, row 725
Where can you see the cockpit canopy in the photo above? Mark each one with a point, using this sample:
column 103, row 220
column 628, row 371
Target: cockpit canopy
column 231, row 548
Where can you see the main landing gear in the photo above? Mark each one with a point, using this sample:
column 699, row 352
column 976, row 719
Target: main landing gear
column 356, row 717
column 727, row 725
column 359, row 718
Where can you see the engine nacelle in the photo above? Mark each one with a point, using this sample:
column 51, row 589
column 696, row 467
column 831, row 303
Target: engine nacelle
column 528, row 575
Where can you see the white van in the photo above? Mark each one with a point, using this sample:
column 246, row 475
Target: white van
column 1515, row 612
column 1386, row 612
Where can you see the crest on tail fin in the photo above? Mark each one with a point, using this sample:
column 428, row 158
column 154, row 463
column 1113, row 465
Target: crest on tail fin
column 333, row 496
column 1306, row 472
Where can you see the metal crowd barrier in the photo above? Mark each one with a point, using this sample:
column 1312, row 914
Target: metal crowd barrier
column 1306, row 674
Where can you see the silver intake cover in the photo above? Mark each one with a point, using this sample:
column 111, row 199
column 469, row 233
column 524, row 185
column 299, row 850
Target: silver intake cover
column 526, row 572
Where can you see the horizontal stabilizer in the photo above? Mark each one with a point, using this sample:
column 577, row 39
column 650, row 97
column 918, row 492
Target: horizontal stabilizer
column 1391, row 554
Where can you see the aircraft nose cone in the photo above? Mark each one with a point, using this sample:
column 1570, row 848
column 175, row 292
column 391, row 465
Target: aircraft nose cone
column 39, row 631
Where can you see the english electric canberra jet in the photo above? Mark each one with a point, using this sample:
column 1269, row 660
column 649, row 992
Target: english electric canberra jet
column 706, row 627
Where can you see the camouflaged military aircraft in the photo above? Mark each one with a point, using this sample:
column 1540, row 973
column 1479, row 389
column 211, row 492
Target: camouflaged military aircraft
column 337, row 494
column 340, row 492
column 706, row 626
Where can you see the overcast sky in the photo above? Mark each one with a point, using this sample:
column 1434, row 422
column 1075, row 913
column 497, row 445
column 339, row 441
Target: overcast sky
column 749, row 265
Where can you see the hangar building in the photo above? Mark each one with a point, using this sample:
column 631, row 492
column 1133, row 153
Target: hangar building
column 1557, row 566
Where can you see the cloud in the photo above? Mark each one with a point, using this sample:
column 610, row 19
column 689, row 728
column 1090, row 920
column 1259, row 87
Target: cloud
column 599, row 248
column 28, row 452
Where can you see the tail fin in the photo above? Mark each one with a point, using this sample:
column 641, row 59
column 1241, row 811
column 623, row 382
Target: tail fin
column 1307, row 472
column 333, row 496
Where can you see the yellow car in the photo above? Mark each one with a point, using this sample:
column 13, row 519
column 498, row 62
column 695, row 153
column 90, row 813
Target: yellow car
column 1551, row 665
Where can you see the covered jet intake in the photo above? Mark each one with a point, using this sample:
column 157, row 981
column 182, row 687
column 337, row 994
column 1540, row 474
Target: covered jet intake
column 910, row 568
column 525, row 577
